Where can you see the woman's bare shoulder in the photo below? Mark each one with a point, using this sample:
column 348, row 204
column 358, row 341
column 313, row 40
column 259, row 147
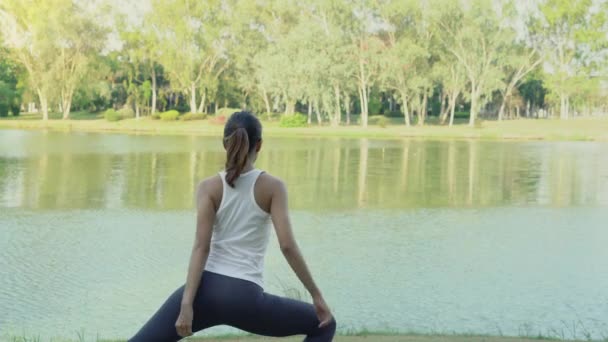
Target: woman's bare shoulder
column 211, row 187
column 269, row 181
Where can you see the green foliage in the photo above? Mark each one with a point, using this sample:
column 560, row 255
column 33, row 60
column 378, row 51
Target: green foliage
column 461, row 115
column 314, row 53
column 155, row 116
column 193, row 116
column 112, row 115
column 171, row 115
column 227, row 112
column 382, row 121
column 16, row 109
column 295, row 120
column 379, row 120
column 126, row 112
column 374, row 106
column 4, row 108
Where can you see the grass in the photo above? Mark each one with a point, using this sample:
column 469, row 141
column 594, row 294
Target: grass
column 359, row 337
column 579, row 129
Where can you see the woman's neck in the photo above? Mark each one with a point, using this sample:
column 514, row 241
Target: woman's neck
column 248, row 167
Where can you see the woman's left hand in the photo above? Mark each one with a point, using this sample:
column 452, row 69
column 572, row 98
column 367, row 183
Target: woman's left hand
column 183, row 325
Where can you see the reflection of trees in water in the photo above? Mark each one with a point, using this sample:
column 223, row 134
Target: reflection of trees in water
column 324, row 174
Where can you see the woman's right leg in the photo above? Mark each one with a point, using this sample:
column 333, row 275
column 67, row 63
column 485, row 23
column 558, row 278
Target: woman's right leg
column 161, row 326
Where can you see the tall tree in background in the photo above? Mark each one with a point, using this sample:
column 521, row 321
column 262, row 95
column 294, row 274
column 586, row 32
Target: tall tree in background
column 56, row 53
column 30, row 32
column 190, row 36
column 473, row 33
column 570, row 34
column 453, row 81
column 366, row 48
column 405, row 56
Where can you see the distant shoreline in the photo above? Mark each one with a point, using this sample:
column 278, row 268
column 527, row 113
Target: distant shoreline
column 582, row 129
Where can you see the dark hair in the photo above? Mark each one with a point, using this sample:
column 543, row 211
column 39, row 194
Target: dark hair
column 241, row 134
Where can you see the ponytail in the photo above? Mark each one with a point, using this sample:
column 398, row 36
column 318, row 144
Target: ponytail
column 237, row 150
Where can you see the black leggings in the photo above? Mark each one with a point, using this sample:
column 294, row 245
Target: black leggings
column 222, row 300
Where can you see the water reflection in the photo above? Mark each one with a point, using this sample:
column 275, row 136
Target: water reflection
column 62, row 171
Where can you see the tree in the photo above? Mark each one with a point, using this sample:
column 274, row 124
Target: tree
column 30, row 33
column 453, row 81
column 474, row 35
column 55, row 52
column 10, row 89
column 405, row 56
column 520, row 62
column 191, row 36
column 570, row 34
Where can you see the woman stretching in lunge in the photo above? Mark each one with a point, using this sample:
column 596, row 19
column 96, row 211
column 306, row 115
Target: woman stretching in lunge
column 224, row 283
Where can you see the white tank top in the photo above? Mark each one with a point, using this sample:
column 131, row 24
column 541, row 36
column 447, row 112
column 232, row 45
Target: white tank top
column 240, row 232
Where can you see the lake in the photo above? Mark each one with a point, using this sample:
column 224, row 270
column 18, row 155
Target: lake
column 402, row 235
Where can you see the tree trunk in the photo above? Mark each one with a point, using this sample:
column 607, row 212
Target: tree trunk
column 445, row 108
column 474, row 100
column 44, row 105
column 406, row 114
column 319, row 120
column 422, row 114
column 364, row 109
column 193, row 98
column 347, row 108
column 67, row 106
column 563, row 110
column 136, row 110
column 309, row 113
column 153, row 110
column 337, row 116
column 202, row 108
column 266, row 102
column 453, row 107
column 363, row 93
column 501, row 111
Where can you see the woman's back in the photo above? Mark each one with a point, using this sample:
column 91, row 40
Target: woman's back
column 223, row 285
column 240, row 232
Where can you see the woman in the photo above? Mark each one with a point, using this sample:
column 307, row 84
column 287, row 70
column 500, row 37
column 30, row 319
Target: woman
column 234, row 210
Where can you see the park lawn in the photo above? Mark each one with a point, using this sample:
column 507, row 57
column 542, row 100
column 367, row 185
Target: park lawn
column 579, row 129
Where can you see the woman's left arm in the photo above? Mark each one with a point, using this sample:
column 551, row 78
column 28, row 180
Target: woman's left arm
column 205, row 218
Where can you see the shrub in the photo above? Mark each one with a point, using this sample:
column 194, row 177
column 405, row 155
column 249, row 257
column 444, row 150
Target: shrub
column 227, row 112
column 126, row 112
column 218, row 120
column 193, row 116
column 169, row 115
column 382, row 121
column 111, row 115
column 270, row 116
column 4, row 109
column 296, row 120
column 394, row 114
column 155, row 116
column 16, row 109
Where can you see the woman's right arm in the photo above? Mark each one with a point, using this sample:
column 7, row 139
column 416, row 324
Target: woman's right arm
column 279, row 212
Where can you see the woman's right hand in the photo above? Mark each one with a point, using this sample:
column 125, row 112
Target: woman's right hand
column 183, row 325
column 323, row 312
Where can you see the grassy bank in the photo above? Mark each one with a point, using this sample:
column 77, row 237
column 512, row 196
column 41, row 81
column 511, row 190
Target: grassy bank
column 354, row 338
column 591, row 129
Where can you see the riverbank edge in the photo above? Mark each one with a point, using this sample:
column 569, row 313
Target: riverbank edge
column 517, row 130
column 355, row 337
